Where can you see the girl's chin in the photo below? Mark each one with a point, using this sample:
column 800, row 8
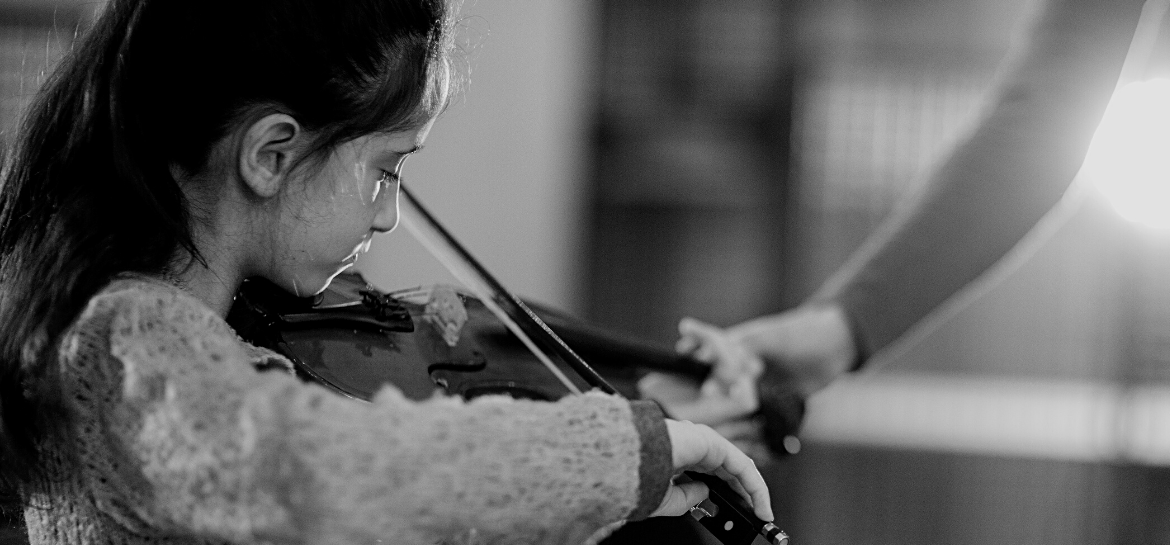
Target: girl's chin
column 310, row 285
column 345, row 267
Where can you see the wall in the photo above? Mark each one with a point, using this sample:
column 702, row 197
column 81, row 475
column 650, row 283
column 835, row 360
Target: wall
column 503, row 168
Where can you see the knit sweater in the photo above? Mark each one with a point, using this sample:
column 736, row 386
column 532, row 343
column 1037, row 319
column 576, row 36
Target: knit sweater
column 175, row 436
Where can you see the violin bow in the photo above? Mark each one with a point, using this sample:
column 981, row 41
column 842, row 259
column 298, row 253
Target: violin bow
column 726, row 516
column 516, row 316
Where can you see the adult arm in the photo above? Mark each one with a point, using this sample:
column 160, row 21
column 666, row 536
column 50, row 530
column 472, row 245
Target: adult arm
column 998, row 182
column 994, row 186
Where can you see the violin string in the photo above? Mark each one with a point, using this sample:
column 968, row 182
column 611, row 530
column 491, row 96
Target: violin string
column 406, row 293
column 484, row 293
column 415, row 290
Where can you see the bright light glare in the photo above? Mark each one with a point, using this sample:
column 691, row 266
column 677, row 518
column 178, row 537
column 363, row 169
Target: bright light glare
column 1129, row 159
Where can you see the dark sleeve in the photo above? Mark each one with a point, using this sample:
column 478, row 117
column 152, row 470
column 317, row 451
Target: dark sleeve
column 998, row 182
column 657, row 466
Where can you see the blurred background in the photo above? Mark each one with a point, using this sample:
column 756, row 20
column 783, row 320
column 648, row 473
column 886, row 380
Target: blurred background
column 636, row 161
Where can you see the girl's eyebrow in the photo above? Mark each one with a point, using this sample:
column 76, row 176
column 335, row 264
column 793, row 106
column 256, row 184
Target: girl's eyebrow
column 400, row 155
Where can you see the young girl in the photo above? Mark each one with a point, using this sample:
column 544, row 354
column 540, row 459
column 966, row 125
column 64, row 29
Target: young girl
column 184, row 146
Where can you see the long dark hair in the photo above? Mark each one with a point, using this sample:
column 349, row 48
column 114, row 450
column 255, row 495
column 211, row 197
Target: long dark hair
column 88, row 191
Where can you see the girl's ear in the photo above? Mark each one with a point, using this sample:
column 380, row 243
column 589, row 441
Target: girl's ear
column 268, row 151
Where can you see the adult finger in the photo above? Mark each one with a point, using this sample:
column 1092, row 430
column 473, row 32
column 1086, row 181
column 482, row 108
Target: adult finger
column 708, row 409
column 705, row 343
column 667, row 389
column 686, row 343
column 731, row 357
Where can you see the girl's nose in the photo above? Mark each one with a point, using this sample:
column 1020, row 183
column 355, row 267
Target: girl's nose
column 387, row 218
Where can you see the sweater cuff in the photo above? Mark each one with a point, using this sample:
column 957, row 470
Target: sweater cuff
column 656, row 467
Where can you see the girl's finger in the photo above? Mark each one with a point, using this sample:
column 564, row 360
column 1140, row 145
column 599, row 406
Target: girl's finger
column 680, row 497
column 723, row 454
column 744, row 470
column 734, row 484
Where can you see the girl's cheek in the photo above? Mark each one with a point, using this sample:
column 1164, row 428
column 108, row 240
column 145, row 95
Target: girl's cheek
column 360, row 173
column 378, row 188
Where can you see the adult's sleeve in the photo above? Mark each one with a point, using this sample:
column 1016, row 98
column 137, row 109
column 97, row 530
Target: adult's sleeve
column 999, row 181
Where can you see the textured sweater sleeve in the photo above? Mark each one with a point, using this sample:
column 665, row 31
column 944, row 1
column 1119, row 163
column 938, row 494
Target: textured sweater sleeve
column 998, row 182
column 180, row 435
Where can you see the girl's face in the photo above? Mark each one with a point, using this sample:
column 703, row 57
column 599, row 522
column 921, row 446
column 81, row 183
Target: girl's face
column 332, row 211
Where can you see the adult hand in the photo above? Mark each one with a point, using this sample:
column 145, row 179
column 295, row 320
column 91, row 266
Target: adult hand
column 812, row 344
column 697, row 447
column 730, row 392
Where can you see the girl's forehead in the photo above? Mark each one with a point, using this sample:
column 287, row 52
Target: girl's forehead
column 402, row 142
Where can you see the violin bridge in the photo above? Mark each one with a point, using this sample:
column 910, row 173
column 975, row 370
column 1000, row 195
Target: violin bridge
column 445, row 311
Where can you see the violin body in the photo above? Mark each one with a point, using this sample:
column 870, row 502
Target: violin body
column 355, row 339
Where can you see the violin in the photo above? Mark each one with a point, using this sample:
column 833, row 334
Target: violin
column 472, row 341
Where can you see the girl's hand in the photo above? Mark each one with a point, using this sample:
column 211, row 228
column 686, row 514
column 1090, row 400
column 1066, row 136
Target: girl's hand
column 697, row 447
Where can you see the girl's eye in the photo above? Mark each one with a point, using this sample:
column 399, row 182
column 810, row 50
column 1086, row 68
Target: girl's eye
column 387, row 183
column 389, row 180
column 388, row 177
